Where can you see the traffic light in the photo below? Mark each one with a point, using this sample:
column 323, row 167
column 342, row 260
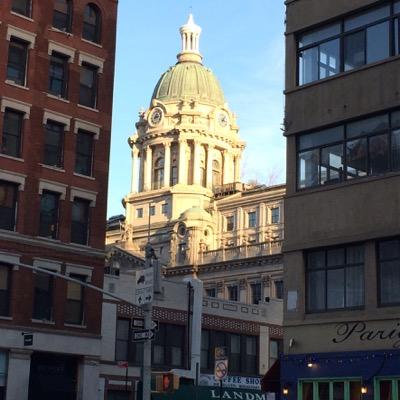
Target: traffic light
column 167, row 382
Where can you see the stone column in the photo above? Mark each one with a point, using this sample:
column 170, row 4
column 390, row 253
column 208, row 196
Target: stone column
column 182, row 167
column 141, row 170
column 134, row 182
column 167, row 163
column 196, row 162
column 210, row 152
column 237, row 168
column 88, row 382
column 148, row 168
column 19, row 365
column 225, row 167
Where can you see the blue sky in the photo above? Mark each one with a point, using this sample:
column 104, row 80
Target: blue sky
column 242, row 42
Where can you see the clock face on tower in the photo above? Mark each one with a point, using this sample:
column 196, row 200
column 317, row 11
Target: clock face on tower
column 223, row 119
column 156, row 116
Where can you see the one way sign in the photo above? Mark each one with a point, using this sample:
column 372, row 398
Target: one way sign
column 143, row 334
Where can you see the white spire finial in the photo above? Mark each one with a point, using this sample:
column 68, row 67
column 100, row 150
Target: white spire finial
column 190, row 33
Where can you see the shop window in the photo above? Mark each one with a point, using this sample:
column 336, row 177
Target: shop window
column 80, row 221
column 3, row 374
column 12, row 133
column 17, row 61
column 84, row 153
column 326, row 389
column 389, row 272
column 49, row 209
column 43, row 297
column 88, row 85
column 74, row 304
column 348, row 44
column 8, row 205
column 54, row 144
column 387, row 388
column 91, row 23
column 118, row 395
column 256, row 293
column 5, row 286
column 22, row 7
column 335, row 278
column 62, row 15
column 58, row 75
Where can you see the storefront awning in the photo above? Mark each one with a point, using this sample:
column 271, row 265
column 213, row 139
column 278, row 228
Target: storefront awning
column 271, row 381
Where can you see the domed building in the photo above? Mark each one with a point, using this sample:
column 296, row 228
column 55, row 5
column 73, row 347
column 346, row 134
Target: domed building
column 186, row 190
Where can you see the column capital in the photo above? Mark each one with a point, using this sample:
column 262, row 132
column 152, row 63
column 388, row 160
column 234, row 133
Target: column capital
column 167, row 143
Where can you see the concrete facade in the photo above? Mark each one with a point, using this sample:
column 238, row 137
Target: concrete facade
column 351, row 210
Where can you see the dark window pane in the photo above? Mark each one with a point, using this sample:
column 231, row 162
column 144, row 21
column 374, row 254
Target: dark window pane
column 389, row 249
column 12, row 131
column 275, row 215
column 316, row 259
column 43, row 297
column 396, row 36
column 279, row 289
column 252, row 216
column 316, row 291
column 368, row 126
column 332, row 164
column 378, row 42
column 53, row 145
column 8, row 205
column 335, row 289
column 323, row 390
column 84, row 153
column 17, row 58
column 356, row 155
column 320, row 138
column 58, row 75
column 308, row 66
column 308, row 391
column 233, row 293
column 355, row 391
column 80, row 221
column 62, row 15
column 49, row 215
column 329, row 58
column 390, row 281
column 338, row 390
column 378, row 154
column 308, row 168
column 397, row 7
column 230, row 223
column 251, row 355
column 5, row 273
column 367, row 18
column 385, row 390
column 354, row 50
column 335, row 257
column 22, row 7
column 354, row 287
column 396, row 149
column 355, row 255
column 91, row 23
column 74, row 302
column 88, row 86
column 319, row 34
column 255, row 293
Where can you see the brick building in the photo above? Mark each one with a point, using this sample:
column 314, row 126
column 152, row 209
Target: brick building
column 56, row 82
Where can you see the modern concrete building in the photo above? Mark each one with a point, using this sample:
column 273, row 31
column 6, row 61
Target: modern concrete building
column 204, row 224
column 56, row 83
column 342, row 227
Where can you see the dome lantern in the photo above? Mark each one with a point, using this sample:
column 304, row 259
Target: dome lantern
column 190, row 33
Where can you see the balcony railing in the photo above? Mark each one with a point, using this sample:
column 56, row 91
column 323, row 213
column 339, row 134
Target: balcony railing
column 240, row 252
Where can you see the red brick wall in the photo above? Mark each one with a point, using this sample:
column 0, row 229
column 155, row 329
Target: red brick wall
column 32, row 149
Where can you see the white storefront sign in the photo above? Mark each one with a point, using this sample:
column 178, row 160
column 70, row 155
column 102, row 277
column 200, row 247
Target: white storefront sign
column 235, row 382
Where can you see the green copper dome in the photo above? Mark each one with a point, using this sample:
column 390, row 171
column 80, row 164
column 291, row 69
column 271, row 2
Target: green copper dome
column 189, row 80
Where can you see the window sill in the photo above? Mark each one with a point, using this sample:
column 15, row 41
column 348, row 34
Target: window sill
column 83, row 246
column 75, row 326
column 21, row 16
column 5, row 318
column 92, row 178
column 48, row 239
column 52, row 168
column 92, row 43
column 52, row 96
column 12, row 157
column 88, row 108
column 69, row 34
column 42, row 321
column 12, row 83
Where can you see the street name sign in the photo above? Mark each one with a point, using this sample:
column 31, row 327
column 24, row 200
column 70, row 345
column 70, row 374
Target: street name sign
column 142, row 334
column 138, row 323
column 144, row 286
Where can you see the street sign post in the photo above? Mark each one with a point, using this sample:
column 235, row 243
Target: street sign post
column 142, row 335
column 138, row 323
column 144, row 286
column 221, row 366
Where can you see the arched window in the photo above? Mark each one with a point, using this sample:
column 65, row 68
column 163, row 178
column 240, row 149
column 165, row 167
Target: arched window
column 158, row 176
column 216, row 173
column 62, row 15
column 91, row 23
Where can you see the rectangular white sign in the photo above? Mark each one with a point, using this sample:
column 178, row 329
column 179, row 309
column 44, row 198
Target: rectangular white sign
column 235, row 382
column 144, row 286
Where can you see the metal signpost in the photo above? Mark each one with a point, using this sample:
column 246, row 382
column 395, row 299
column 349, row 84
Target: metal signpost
column 221, row 366
column 144, row 289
